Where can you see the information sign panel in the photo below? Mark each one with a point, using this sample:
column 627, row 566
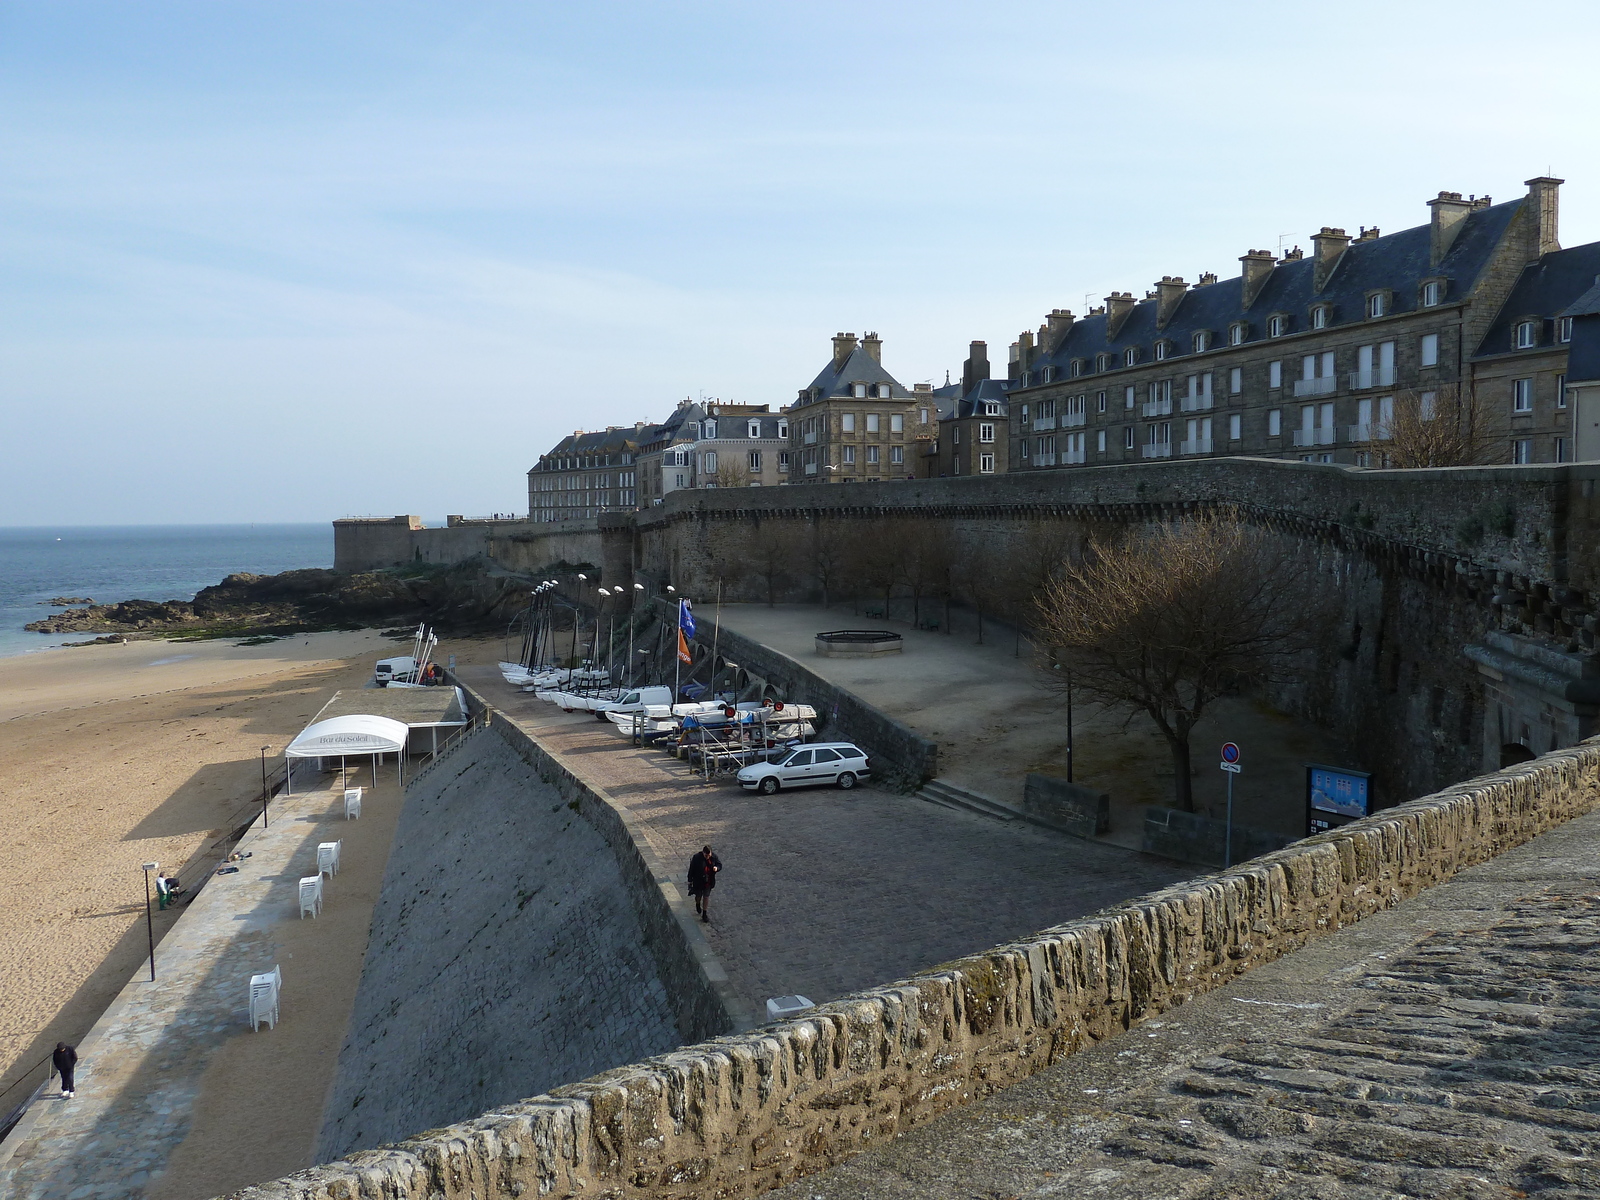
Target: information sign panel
column 1335, row 796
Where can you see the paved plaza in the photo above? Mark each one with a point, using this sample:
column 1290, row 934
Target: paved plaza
column 1445, row 1048
column 826, row 892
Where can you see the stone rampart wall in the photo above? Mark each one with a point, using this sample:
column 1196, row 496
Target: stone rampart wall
column 739, row 1115
column 371, row 544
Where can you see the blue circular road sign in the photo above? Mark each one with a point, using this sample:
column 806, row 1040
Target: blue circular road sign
column 1230, row 752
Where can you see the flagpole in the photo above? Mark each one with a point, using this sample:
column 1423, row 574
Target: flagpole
column 677, row 658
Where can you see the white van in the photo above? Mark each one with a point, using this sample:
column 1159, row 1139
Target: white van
column 635, row 701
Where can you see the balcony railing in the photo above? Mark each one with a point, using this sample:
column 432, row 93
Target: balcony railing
column 1075, row 418
column 811, row 437
column 1324, row 386
column 1071, row 457
column 1322, row 436
column 1197, row 446
column 1156, row 450
column 1158, row 408
column 811, row 468
column 1370, row 433
column 1199, row 402
column 1040, row 424
column 1044, row 460
column 1375, row 377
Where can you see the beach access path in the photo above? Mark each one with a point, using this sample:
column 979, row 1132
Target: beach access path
column 825, row 892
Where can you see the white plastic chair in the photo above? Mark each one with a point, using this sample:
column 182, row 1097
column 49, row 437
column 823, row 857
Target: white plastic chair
column 311, row 896
column 352, row 804
column 264, row 1000
column 328, row 858
column 779, row 1007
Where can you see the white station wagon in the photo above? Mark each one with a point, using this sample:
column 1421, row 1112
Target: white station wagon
column 821, row 762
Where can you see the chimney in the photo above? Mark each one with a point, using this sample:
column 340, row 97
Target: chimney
column 1545, row 194
column 1448, row 212
column 1326, row 247
column 844, row 345
column 1022, row 353
column 976, row 368
column 1169, row 291
column 873, row 345
column 1207, row 278
column 1056, row 326
column 1368, row 235
column 1118, row 306
column 1294, row 255
column 1258, row 266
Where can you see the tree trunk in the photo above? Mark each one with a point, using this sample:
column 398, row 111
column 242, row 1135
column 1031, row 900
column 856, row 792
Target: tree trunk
column 980, row 624
column 1182, row 784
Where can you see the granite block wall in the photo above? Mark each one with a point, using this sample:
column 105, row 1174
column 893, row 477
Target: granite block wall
column 741, row 1114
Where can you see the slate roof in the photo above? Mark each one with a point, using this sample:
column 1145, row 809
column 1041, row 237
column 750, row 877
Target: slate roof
column 1586, row 305
column 860, row 367
column 971, row 405
column 1398, row 262
column 1546, row 289
column 597, row 442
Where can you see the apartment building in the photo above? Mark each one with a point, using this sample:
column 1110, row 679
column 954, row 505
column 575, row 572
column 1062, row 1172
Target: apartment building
column 585, row 474
column 856, row 422
column 665, row 454
column 740, row 445
column 974, row 437
column 1298, row 357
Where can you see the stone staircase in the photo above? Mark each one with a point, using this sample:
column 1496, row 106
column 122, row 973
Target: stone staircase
column 948, row 795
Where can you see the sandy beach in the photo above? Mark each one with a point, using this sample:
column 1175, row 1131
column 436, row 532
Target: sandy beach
column 115, row 755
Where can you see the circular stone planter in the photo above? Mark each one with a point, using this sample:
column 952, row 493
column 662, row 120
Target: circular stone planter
column 858, row 643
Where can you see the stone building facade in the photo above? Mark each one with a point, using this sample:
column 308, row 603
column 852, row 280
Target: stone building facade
column 856, row 422
column 740, row 445
column 1294, row 358
column 586, row 474
column 973, row 438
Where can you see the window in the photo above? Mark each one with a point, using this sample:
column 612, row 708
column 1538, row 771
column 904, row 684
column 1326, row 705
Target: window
column 710, row 461
column 883, row 391
column 1319, row 317
column 922, row 416
column 783, row 460
column 1276, row 326
column 1237, row 333
column 1235, row 426
column 680, row 479
column 1522, row 395
column 859, row 391
column 1127, row 396
column 897, row 454
column 1100, row 402
column 1275, row 422
column 1425, row 405
column 872, row 422
column 1559, row 449
column 711, row 429
column 755, row 461
column 1127, row 437
column 1077, row 367
column 1202, row 341
column 1236, row 381
column 754, row 429
column 986, row 432
column 897, row 422
column 1561, row 393
column 783, row 429
column 955, row 435
column 1047, row 374
column 1161, row 351
column 1377, row 304
column 847, row 422
column 991, row 408
column 1102, row 362
column 848, row 455
column 1563, row 330
column 1525, row 338
column 1100, row 441
column 1429, row 350
column 1522, row 450
column 1274, row 374
column 1130, row 356
column 986, row 463
column 1430, row 293
column 872, row 456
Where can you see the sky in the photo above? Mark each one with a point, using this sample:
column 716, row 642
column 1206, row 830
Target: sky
column 296, row 261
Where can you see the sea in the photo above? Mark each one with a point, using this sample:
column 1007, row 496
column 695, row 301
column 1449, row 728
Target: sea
column 108, row 563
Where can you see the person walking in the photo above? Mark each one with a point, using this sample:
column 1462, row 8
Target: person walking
column 703, row 868
column 65, row 1061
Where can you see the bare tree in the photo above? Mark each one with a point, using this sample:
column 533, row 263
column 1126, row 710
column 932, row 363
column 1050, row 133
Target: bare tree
column 732, row 474
column 928, row 561
column 770, row 562
column 1172, row 617
column 1044, row 548
column 975, row 577
column 1447, row 426
column 877, row 559
column 830, row 556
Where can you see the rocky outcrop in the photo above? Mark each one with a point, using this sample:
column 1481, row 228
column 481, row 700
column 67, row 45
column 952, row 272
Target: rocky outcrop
column 67, row 601
column 460, row 599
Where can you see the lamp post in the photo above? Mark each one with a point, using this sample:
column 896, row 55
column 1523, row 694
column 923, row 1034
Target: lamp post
column 264, row 793
column 577, row 613
column 638, row 587
column 149, row 921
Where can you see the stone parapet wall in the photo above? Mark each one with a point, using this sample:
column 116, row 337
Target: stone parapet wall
column 739, row 1115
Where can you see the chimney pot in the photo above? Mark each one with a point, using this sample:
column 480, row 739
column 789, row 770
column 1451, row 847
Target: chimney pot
column 873, row 345
column 1544, row 192
column 1168, row 294
column 1326, row 247
column 844, row 345
column 1258, row 266
column 976, row 368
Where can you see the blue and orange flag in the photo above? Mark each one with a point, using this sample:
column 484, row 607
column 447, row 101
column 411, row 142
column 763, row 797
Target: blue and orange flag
column 685, row 631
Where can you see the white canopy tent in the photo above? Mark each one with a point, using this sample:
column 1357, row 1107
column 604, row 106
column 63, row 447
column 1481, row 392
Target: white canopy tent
column 339, row 737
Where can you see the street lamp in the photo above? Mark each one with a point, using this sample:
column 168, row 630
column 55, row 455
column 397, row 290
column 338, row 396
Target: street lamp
column 264, row 793
column 149, row 922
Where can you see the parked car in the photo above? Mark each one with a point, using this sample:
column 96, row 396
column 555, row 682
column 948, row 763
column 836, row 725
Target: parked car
column 821, row 762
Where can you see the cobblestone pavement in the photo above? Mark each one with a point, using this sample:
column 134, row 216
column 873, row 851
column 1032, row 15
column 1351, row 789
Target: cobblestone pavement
column 826, row 892
column 1447, row 1048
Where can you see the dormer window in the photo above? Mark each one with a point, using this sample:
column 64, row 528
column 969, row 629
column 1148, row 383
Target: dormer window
column 1202, row 341
column 883, row 391
column 783, row 429
column 1102, row 362
column 1277, row 325
column 754, row 429
column 1237, row 332
column 711, row 429
column 1526, row 335
column 858, row 390
column 1077, row 367
column 1130, row 356
column 1563, row 329
column 1161, row 350
column 991, row 408
column 1432, row 293
column 1320, row 317
column 1378, row 304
